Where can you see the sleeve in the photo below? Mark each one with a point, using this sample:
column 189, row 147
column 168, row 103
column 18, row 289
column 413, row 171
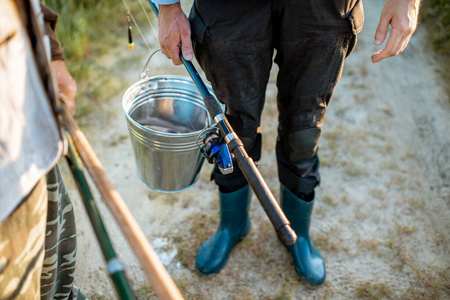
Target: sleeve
column 165, row 2
column 50, row 20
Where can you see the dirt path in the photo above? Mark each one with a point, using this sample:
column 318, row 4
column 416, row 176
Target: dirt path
column 382, row 216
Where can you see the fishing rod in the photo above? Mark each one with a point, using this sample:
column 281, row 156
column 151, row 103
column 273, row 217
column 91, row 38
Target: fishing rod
column 246, row 163
column 114, row 266
column 154, row 269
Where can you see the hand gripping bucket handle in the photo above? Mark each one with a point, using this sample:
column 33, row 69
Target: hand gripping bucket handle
column 165, row 116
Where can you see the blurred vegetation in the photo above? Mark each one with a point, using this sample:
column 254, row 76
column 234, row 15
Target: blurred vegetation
column 435, row 14
column 87, row 29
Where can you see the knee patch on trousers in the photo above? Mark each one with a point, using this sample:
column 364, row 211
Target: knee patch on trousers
column 303, row 144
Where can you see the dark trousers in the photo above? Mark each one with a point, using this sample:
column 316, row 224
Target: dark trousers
column 234, row 42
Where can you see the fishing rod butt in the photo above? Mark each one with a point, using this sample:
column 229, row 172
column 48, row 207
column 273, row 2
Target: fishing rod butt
column 270, row 205
column 287, row 235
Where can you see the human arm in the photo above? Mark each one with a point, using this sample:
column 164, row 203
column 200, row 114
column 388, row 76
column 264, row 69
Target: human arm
column 174, row 29
column 402, row 16
column 67, row 86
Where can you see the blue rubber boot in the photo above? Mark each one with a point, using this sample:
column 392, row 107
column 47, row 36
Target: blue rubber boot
column 234, row 224
column 308, row 261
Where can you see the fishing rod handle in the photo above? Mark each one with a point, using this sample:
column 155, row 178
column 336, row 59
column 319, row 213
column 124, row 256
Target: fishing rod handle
column 256, row 181
column 265, row 196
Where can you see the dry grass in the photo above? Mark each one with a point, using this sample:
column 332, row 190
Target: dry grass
column 371, row 290
column 260, row 257
column 200, row 226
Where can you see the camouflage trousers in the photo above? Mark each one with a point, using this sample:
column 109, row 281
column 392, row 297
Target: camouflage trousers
column 38, row 245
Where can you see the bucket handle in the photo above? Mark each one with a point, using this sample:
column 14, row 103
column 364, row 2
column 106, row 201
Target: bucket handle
column 144, row 73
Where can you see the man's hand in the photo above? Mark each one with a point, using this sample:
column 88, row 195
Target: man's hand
column 66, row 85
column 402, row 16
column 174, row 30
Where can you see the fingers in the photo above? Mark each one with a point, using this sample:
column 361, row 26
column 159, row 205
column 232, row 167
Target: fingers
column 170, row 48
column 173, row 51
column 67, row 86
column 382, row 30
column 394, row 45
column 68, row 103
column 401, row 15
column 174, row 30
column 186, row 47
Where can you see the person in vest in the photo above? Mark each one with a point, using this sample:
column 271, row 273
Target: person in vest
column 37, row 225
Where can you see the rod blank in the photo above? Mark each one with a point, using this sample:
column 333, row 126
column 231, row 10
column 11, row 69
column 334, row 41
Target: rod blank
column 153, row 268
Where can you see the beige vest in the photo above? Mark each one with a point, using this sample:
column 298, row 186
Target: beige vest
column 30, row 140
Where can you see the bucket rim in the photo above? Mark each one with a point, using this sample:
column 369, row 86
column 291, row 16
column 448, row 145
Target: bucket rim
column 170, row 134
column 173, row 78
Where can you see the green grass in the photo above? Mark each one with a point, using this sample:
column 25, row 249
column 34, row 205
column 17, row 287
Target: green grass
column 86, row 30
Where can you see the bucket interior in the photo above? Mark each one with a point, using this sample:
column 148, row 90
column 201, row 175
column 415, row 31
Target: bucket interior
column 169, row 113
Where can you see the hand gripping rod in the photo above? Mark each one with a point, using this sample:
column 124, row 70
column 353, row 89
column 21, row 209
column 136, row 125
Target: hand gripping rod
column 246, row 164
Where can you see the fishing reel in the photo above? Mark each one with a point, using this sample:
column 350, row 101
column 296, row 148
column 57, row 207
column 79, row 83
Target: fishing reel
column 216, row 151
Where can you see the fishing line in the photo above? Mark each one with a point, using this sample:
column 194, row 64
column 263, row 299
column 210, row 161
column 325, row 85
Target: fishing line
column 155, row 32
column 137, row 26
column 148, row 45
column 148, row 18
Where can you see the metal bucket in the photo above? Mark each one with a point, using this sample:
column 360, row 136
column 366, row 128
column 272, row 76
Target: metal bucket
column 167, row 155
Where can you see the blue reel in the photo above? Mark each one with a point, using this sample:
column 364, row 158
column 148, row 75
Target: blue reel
column 216, row 152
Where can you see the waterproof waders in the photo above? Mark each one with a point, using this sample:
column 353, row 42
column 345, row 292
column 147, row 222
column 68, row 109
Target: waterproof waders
column 234, row 224
column 308, row 261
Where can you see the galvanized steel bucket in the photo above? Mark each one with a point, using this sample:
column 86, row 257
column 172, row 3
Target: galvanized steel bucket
column 165, row 117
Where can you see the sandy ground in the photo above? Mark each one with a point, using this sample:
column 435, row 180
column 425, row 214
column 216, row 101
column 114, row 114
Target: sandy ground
column 381, row 218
